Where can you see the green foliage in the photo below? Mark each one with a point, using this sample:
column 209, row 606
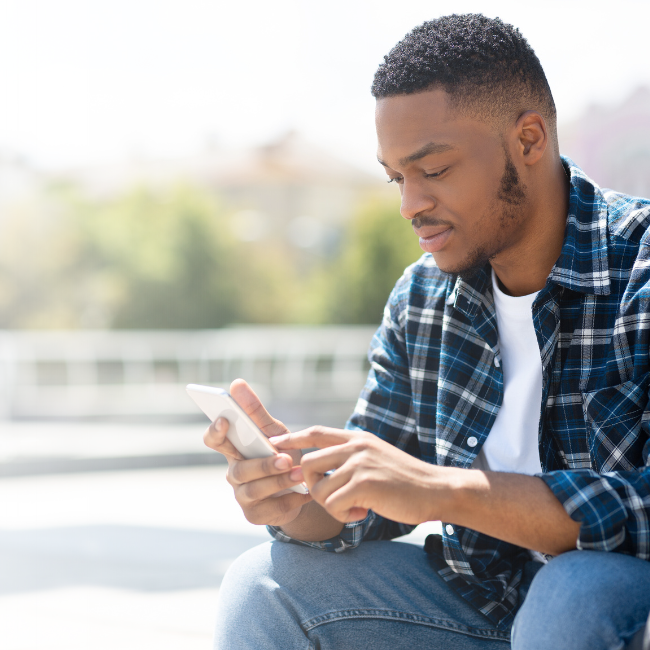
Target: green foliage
column 168, row 259
column 378, row 245
column 170, row 256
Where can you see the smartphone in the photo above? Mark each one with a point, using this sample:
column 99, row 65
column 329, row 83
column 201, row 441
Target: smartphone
column 244, row 434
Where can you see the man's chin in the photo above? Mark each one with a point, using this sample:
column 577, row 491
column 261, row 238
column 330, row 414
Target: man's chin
column 466, row 269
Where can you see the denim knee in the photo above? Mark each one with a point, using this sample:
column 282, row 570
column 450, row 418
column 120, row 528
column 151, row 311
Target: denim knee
column 584, row 599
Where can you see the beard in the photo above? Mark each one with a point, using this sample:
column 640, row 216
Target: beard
column 508, row 203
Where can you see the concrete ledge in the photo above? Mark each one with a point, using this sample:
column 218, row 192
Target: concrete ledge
column 41, row 466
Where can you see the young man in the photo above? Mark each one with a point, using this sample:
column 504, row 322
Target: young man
column 508, row 394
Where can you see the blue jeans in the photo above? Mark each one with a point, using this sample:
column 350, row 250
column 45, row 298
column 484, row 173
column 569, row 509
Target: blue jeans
column 386, row 596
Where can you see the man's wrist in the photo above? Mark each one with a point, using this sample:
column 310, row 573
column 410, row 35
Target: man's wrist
column 456, row 493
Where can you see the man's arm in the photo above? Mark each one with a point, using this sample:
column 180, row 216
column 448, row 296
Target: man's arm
column 516, row 508
column 371, row 474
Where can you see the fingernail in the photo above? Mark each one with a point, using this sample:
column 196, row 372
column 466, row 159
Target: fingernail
column 296, row 474
column 282, row 463
column 218, row 424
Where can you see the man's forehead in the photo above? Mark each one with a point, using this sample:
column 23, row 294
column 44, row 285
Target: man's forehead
column 428, row 105
column 410, row 127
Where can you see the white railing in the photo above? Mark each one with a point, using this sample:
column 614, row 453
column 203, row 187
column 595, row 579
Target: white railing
column 133, row 373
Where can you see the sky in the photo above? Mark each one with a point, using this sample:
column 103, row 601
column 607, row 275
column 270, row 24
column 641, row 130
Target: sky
column 86, row 82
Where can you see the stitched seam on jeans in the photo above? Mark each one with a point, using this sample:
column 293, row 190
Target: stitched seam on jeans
column 404, row 617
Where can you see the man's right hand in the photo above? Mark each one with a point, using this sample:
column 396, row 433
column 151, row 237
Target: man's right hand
column 257, row 481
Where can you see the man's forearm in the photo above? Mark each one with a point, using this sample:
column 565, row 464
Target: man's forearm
column 513, row 507
column 313, row 524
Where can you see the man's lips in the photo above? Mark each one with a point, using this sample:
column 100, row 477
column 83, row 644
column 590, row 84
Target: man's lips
column 432, row 240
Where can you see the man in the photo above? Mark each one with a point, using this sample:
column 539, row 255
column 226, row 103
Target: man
column 508, row 394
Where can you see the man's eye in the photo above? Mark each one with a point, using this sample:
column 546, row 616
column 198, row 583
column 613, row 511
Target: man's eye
column 440, row 173
column 397, row 179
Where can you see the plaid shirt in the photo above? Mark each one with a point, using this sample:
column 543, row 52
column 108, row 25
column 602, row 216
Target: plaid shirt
column 436, row 381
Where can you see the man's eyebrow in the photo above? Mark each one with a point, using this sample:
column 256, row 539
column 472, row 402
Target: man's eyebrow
column 427, row 150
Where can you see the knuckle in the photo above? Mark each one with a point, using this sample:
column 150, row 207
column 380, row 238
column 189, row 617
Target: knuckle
column 316, row 430
column 246, row 491
column 284, row 481
column 235, row 473
column 284, row 505
column 242, row 496
column 267, row 465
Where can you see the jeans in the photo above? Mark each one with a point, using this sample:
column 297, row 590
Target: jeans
column 386, row 596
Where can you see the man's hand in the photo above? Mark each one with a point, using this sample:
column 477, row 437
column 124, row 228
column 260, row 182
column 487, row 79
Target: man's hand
column 370, row 474
column 256, row 481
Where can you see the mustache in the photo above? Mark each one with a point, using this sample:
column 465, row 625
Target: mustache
column 419, row 222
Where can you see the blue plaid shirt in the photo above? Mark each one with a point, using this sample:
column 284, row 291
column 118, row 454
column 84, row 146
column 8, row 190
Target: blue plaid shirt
column 436, row 381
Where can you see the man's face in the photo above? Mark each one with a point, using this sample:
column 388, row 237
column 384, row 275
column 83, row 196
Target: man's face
column 459, row 186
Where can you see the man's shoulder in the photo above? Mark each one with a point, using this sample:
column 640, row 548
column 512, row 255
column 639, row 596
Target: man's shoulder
column 628, row 217
column 423, row 278
column 419, row 295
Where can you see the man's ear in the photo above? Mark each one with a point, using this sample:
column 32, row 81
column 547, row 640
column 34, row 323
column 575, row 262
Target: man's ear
column 532, row 136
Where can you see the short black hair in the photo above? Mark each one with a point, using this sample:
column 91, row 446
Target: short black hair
column 485, row 65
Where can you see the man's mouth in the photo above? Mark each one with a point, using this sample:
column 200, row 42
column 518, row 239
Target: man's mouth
column 433, row 239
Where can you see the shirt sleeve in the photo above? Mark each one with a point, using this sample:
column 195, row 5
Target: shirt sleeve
column 384, row 409
column 613, row 508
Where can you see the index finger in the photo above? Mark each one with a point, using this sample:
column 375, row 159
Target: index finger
column 319, row 437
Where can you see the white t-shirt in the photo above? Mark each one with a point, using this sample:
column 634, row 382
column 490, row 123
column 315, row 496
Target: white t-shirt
column 511, row 445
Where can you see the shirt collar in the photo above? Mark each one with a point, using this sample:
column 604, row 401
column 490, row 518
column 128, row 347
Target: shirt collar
column 583, row 263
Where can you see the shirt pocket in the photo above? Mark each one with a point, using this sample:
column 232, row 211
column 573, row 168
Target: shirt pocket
column 613, row 416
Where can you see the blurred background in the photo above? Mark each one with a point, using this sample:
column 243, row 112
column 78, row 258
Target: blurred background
column 188, row 194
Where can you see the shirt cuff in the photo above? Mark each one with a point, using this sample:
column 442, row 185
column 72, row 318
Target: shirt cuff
column 350, row 537
column 590, row 499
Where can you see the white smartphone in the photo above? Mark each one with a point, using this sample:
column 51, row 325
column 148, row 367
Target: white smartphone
column 244, row 434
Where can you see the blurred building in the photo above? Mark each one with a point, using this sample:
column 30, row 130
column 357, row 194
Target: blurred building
column 612, row 144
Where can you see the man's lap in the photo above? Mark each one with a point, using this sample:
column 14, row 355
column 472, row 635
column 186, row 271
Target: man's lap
column 379, row 595
column 385, row 595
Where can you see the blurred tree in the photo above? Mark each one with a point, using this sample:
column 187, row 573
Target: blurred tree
column 168, row 258
column 169, row 255
column 178, row 265
column 378, row 245
column 147, row 259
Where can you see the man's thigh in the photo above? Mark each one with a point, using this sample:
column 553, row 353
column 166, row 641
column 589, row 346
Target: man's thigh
column 381, row 595
column 584, row 600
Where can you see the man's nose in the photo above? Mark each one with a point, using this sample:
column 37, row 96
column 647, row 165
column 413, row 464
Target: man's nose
column 415, row 200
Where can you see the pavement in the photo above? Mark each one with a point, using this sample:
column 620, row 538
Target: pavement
column 119, row 558
column 42, row 447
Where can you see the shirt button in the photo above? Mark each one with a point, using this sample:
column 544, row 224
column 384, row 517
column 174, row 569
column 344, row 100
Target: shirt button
column 472, row 441
column 450, row 529
column 496, row 362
